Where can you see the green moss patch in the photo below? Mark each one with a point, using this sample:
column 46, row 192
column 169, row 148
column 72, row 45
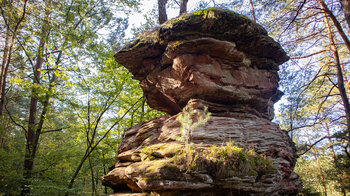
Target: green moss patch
column 230, row 160
column 160, row 151
column 218, row 161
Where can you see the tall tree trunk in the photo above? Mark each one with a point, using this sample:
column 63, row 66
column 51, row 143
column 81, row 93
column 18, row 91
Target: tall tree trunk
column 77, row 170
column 323, row 182
column 253, row 10
column 340, row 77
column 162, row 16
column 183, row 7
column 322, row 178
column 34, row 129
column 339, row 179
column 93, row 187
column 4, row 59
column 8, row 54
column 3, row 63
column 336, row 24
column 104, row 172
column 345, row 6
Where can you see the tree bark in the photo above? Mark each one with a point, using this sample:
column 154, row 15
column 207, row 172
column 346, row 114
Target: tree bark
column 162, row 16
column 3, row 63
column 183, row 7
column 93, row 187
column 34, row 130
column 322, row 178
column 345, row 6
column 253, row 10
column 340, row 77
column 4, row 58
column 336, row 24
column 339, row 178
column 8, row 54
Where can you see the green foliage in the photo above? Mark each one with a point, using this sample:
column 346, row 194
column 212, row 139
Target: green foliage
column 309, row 172
column 222, row 161
column 191, row 119
column 81, row 61
column 10, row 170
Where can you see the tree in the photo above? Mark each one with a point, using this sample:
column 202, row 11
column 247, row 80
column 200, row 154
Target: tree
column 162, row 15
column 345, row 5
column 56, row 35
column 183, row 6
column 315, row 81
column 34, row 129
column 12, row 21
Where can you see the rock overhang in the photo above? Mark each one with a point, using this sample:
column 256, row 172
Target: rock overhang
column 235, row 28
column 229, row 39
column 212, row 59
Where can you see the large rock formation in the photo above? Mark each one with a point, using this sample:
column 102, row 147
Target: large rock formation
column 222, row 61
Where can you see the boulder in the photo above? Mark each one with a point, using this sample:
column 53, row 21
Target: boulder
column 212, row 60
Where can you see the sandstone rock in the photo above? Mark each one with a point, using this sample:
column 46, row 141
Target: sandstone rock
column 221, row 61
column 214, row 55
column 250, row 132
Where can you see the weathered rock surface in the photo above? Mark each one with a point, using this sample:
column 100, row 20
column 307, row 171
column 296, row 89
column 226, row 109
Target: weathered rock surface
column 214, row 55
column 213, row 59
column 247, row 131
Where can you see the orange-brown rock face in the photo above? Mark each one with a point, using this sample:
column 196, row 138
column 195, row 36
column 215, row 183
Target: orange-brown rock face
column 222, row 61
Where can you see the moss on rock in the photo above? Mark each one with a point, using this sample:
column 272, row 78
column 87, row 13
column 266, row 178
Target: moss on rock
column 218, row 161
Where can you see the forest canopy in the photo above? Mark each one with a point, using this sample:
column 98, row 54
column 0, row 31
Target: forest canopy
column 65, row 102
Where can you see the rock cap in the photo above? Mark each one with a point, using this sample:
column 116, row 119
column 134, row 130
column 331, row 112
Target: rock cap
column 225, row 56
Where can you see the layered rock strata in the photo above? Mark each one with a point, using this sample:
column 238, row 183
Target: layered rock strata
column 213, row 59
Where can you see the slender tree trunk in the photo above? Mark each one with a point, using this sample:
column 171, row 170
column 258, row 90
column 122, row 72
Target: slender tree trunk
column 92, row 146
column 253, row 10
column 143, row 109
column 323, row 183
column 3, row 63
column 82, row 161
column 162, row 11
column 340, row 77
column 32, row 148
column 104, row 171
column 336, row 24
column 345, row 6
column 93, row 187
column 183, row 7
column 322, row 178
column 339, row 179
column 4, row 60
column 3, row 133
column 7, row 61
column 34, row 130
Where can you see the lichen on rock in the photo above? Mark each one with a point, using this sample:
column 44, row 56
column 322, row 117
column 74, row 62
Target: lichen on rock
column 215, row 59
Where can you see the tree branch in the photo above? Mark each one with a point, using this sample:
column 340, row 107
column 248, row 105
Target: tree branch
column 336, row 24
column 54, row 130
column 14, row 122
column 309, row 55
column 296, row 15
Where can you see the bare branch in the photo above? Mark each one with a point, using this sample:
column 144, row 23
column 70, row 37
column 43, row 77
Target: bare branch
column 296, row 15
column 315, row 143
column 309, row 55
column 14, row 122
column 54, row 130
